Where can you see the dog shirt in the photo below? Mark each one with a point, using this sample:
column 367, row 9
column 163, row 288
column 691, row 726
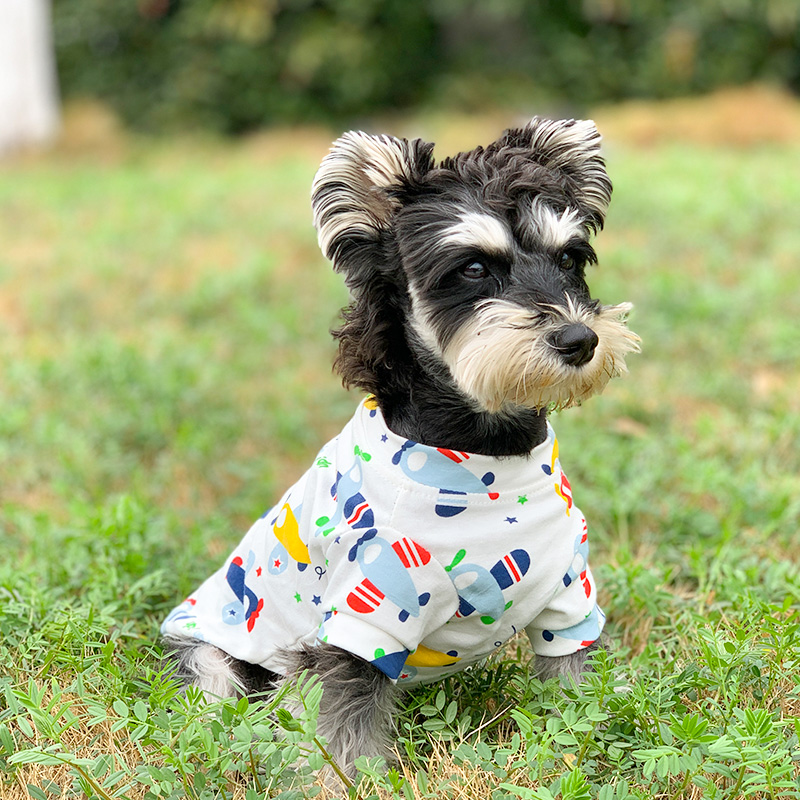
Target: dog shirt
column 420, row 560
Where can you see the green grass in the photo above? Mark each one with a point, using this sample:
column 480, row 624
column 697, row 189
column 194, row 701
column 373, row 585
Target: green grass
column 165, row 371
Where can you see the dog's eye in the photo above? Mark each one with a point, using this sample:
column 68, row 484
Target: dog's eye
column 568, row 262
column 575, row 256
column 475, row 271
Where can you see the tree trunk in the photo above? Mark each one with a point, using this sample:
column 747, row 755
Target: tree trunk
column 29, row 107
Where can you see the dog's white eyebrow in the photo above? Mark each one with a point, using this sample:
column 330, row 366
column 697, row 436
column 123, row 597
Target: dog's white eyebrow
column 555, row 230
column 482, row 231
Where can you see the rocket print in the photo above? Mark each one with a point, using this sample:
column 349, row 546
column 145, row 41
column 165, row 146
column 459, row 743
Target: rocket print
column 386, row 570
column 287, row 532
column 441, row 468
column 564, row 491
column 580, row 563
column 351, row 506
column 481, row 590
column 371, row 404
column 426, row 657
column 587, row 631
column 562, row 487
column 235, row 613
column 289, row 545
column 185, row 613
column 391, row 664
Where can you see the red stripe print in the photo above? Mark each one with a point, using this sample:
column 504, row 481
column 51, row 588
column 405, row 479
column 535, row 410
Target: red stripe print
column 409, row 549
column 365, row 598
column 410, row 553
column 512, row 568
column 401, row 553
column 453, row 455
column 367, row 586
column 356, row 515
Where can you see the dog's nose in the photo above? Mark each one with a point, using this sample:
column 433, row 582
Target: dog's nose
column 575, row 344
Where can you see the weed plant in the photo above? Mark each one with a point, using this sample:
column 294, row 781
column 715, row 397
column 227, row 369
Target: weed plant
column 165, row 369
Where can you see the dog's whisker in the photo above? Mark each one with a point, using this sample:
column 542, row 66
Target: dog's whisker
column 524, row 376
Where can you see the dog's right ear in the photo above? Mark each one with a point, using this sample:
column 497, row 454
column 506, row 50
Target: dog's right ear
column 353, row 196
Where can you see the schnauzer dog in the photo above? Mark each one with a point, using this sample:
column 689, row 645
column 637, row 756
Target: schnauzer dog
column 439, row 522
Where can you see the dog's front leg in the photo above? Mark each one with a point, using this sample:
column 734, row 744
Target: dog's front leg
column 572, row 666
column 356, row 716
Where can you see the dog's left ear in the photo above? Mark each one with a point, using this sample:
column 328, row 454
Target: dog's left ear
column 571, row 147
column 353, row 196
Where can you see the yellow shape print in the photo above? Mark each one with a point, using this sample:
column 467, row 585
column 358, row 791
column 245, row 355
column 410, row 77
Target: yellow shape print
column 288, row 534
column 555, row 456
column 425, row 657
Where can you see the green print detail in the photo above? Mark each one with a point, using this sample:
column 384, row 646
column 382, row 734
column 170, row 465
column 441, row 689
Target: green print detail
column 522, row 499
column 380, row 653
column 491, row 620
column 457, row 559
column 323, row 462
column 359, row 452
column 324, row 521
column 298, row 597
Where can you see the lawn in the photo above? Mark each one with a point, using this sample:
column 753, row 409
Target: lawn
column 165, row 372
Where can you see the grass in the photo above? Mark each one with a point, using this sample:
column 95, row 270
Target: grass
column 164, row 371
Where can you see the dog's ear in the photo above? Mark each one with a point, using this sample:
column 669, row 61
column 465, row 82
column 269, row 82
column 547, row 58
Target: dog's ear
column 573, row 148
column 353, row 196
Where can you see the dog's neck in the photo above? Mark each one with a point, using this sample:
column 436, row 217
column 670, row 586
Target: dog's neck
column 417, row 395
column 430, row 413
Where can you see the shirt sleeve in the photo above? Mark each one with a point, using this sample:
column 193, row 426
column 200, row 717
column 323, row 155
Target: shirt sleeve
column 385, row 594
column 571, row 621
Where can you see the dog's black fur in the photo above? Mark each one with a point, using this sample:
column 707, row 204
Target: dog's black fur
column 492, row 243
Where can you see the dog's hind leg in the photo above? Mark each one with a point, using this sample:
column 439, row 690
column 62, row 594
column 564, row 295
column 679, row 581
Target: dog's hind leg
column 213, row 671
column 358, row 703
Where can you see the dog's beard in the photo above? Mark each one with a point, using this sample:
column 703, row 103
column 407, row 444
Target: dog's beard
column 503, row 357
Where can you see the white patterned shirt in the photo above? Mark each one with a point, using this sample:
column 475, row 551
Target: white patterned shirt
column 420, row 560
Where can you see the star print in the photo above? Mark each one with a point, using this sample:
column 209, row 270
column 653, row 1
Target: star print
column 384, row 438
column 258, row 572
column 297, row 597
column 276, row 563
column 232, row 613
column 337, row 540
column 316, row 600
column 522, row 499
column 511, row 520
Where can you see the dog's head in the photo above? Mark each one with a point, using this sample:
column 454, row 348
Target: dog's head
column 474, row 266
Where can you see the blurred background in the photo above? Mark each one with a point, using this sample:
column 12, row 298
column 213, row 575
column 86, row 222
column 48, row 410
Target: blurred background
column 155, row 224
column 233, row 66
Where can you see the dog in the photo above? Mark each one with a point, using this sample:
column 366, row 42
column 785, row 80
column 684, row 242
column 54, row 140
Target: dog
column 439, row 522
